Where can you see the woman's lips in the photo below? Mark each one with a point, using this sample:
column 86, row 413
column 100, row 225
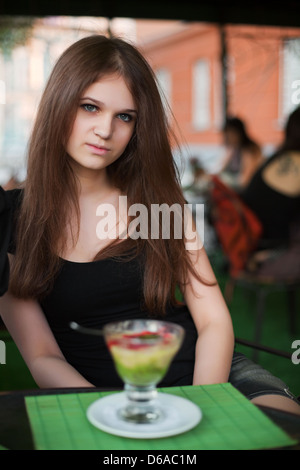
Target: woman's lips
column 97, row 149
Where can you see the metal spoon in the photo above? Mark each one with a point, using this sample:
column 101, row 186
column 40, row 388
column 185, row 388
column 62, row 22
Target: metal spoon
column 83, row 329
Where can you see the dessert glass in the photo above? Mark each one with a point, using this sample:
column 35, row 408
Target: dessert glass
column 142, row 351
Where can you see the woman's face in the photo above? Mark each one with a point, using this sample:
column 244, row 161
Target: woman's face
column 103, row 125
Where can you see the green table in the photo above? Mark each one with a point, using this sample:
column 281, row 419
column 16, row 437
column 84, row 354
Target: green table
column 230, row 422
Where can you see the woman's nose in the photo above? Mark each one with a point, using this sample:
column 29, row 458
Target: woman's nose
column 103, row 127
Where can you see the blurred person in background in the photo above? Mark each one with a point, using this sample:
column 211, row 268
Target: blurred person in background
column 274, row 196
column 243, row 156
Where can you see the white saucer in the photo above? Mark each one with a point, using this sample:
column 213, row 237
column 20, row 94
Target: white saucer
column 179, row 415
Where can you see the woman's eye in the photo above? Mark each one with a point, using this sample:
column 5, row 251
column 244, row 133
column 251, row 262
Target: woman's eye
column 125, row 117
column 90, row 108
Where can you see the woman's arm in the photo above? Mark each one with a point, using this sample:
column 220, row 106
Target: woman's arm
column 215, row 344
column 29, row 329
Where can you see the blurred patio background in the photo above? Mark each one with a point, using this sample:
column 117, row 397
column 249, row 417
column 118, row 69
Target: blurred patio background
column 205, row 71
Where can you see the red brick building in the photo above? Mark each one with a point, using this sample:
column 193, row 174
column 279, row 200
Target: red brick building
column 263, row 76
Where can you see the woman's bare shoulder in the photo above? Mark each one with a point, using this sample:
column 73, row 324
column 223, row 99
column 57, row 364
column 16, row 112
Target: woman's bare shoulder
column 283, row 173
column 288, row 162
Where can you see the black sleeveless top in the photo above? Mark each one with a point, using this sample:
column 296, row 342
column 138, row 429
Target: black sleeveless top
column 275, row 210
column 94, row 294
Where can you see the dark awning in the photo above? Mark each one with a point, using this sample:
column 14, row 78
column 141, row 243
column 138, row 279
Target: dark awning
column 263, row 12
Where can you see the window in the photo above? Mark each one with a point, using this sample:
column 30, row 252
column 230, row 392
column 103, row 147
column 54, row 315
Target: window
column 20, row 68
column 37, row 66
column 165, row 87
column 2, row 92
column 201, row 90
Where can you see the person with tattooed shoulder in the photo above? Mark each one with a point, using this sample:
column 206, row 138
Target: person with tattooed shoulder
column 274, row 196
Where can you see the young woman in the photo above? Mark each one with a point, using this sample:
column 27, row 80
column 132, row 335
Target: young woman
column 100, row 135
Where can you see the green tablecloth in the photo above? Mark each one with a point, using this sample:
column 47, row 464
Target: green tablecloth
column 229, row 421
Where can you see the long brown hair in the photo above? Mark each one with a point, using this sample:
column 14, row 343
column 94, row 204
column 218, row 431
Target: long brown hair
column 145, row 172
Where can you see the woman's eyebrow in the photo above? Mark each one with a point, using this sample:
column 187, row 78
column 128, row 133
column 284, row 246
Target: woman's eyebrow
column 100, row 103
